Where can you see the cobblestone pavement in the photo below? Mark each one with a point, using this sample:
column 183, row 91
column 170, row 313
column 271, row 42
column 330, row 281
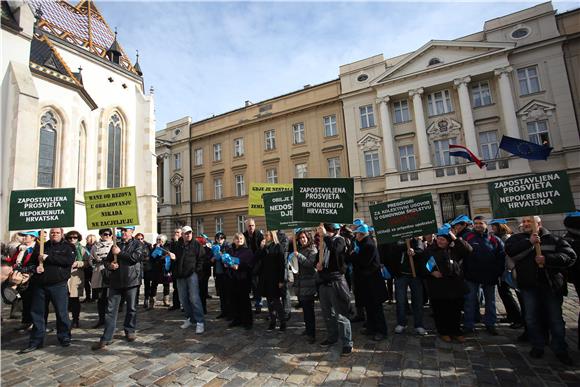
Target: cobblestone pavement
column 166, row 355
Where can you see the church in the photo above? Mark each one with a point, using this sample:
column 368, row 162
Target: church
column 74, row 109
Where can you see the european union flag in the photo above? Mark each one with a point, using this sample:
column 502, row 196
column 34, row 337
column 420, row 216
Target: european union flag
column 431, row 264
column 525, row 149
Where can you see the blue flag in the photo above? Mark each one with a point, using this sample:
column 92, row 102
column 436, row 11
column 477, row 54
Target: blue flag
column 431, row 264
column 525, row 149
column 157, row 252
column 385, row 273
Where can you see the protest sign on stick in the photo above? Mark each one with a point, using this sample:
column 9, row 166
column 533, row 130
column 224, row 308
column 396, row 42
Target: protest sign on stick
column 41, row 208
column 326, row 200
column 255, row 201
column 278, row 210
column 116, row 207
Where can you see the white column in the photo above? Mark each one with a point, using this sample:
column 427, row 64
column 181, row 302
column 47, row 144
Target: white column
column 421, row 128
column 466, row 113
column 507, row 102
column 387, row 127
column 166, row 184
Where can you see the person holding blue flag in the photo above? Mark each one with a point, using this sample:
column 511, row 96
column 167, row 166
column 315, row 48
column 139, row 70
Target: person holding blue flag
column 157, row 272
column 219, row 246
column 445, row 283
column 240, row 265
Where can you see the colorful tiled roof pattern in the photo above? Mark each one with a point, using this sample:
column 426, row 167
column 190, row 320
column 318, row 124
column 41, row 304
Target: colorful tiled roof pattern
column 71, row 23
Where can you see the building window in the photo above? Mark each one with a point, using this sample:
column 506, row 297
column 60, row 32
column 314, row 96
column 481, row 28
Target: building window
column 199, row 191
column 272, row 175
column 199, row 226
column 529, row 80
column 439, row 103
column 241, row 223
column 217, row 152
column 301, row 170
column 270, row 138
column 219, row 224
column 334, row 167
column 114, row 152
column 178, row 194
column 434, row 61
column 298, row 133
column 47, row 150
column 330, row 126
column 538, row 132
column 218, row 192
column 481, row 94
column 367, row 117
column 454, row 204
column 407, row 158
column 372, row 163
column 238, row 147
column 81, row 159
column 198, row 157
column 442, row 157
column 177, row 160
column 489, row 147
column 401, row 111
column 240, row 186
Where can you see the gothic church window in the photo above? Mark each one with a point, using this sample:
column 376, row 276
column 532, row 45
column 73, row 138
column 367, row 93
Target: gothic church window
column 47, row 149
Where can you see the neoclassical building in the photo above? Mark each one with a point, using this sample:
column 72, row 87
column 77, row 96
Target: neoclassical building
column 516, row 77
column 74, row 109
column 205, row 168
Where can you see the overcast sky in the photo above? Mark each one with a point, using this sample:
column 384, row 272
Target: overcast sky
column 206, row 58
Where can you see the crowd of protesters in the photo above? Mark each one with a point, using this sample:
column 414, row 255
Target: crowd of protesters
column 454, row 271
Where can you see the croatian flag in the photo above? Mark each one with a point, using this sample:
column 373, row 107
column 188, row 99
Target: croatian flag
column 461, row 151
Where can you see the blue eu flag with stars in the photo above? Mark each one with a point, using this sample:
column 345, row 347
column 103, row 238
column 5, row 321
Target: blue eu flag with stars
column 525, row 149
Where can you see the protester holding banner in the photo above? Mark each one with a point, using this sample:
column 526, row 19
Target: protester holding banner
column 254, row 239
column 241, row 273
column 445, row 283
column 305, row 280
column 541, row 279
column 101, row 274
column 124, row 261
column 50, row 283
column 76, row 282
column 369, row 282
column 333, row 292
column 271, row 265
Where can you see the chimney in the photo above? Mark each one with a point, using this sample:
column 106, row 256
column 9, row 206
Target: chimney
column 248, row 103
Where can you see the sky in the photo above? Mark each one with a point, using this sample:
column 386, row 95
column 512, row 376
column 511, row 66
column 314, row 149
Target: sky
column 207, row 58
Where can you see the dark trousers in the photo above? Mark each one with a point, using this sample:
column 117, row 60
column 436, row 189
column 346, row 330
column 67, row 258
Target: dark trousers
column 242, row 306
column 228, row 295
column 376, row 319
column 27, row 296
column 151, row 284
column 219, row 288
column 275, row 309
column 286, row 301
column 203, row 290
column 130, row 323
column 390, row 292
column 309, row 317
column 513, row 311
column 447, row 315
column 101, row 295
column 58, row 295
column 87, row 284
column 74, row 306
column 176, row 302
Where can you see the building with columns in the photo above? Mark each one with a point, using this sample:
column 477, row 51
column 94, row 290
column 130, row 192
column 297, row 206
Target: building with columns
column 74, row 110
column 205, row 168
column 511, row 78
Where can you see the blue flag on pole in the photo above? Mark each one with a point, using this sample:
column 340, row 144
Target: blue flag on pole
column 525, row 149
column 431, row 264
column 385, row 273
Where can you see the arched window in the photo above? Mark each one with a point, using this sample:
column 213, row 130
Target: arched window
column 114, row 152
column 47, row 149
column 82, row 158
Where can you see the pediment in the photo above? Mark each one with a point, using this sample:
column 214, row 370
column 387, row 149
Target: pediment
column 536, row 110
column 369, row 142
column 176, row 180
column 445, row 52
column 443, row 128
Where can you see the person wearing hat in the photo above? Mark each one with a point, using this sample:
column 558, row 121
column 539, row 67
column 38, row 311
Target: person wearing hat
column 542, row 282
column 333, row 292
column 461, row 225
column 369, row 282
column 124, row 261
column 222, row 286
column 76, row 282
column 100, row 278
column 572, row 224
column 50, row 282
column 445, row 283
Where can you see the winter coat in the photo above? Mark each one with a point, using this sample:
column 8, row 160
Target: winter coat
column 254, row 241
column 272, row 264
column 394, row 256
column 305, row 281
column 58, row 263
column 99, row 253
column 559, row 257
column 448, row 260
column 130, row 258
column 334, row 265
column 486, row 263
column 573, row 239
column 246, row 266
column 155, row 265
column 76, row 282
column 189, row 259
column 370, row 286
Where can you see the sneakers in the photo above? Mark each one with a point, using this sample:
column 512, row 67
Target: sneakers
column 199, row 328
column 186, row 324
column 346, row 351
column 420, row 331
column 400, row 329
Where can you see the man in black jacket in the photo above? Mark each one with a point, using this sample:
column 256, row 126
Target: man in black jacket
column 254, row 239
column 124, row 261
column 542, row 283
column 50, row 282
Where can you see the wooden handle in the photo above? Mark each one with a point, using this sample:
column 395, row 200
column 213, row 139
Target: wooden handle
column 41, row 251
column 295, row 244
column 537, row 246
column 321, row 248
column 411, row 261
column 114, row 244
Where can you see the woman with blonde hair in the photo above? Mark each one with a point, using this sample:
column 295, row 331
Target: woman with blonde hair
column 241, row 274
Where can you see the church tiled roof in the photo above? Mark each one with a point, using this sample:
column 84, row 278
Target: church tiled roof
column 71, row 24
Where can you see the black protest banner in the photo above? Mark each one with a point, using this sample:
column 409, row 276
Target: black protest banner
column 404, row 218
column 42, row 208
column 278, row 209
column 537, row 194
column 323, row 200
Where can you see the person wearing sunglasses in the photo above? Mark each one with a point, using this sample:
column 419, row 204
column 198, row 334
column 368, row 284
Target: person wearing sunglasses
column 76, row 282
column 100, row 278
